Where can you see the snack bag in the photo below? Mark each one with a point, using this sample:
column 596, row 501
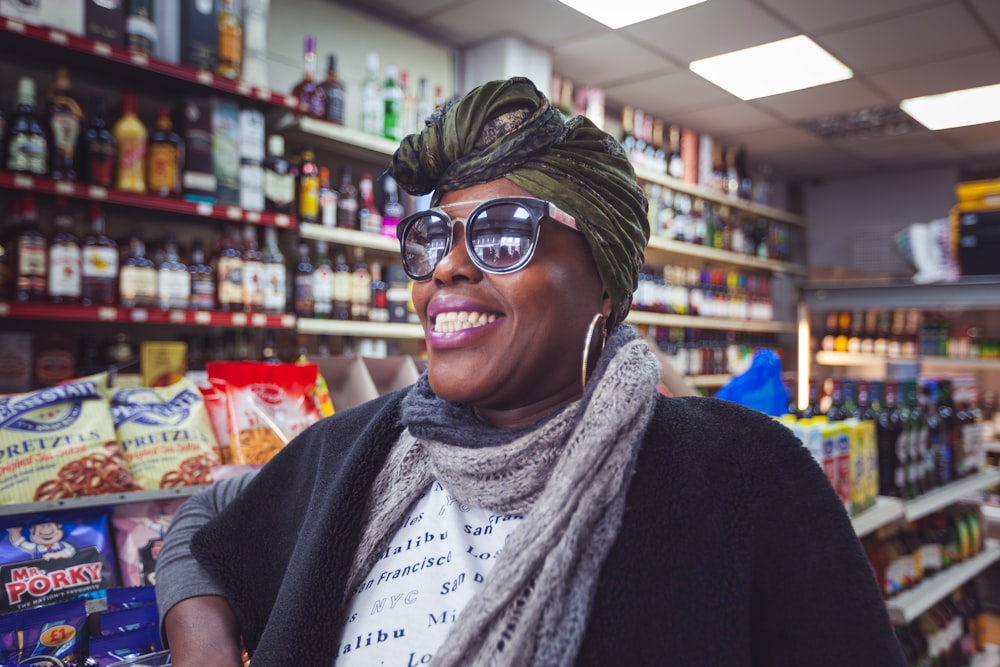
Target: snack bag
column 10, row 651
column 115, row 649
column 139, row 530
column 48, row 557
column 54, row 635
column 166, row 435
column 267, row 404
column 59, row 442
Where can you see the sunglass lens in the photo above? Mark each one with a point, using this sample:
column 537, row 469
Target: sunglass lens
column 425, row 244
column 502, row 235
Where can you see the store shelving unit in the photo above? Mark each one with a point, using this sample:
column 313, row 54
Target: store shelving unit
column 907, row 606
column 399, row 330
column 969, row 293
column 668, row 249
column 109, row 314
column 105, row 500
column 350, row 237
column 927, row 362
column 885, row 511
column 700, row 322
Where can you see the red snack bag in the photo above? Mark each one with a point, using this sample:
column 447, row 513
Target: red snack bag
column 267, row 405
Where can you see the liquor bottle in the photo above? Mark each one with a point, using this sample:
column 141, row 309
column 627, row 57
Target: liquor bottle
column 173, row 283
column 279, row 182
column 130, row 135
column 31, row 250
column 813, row 408
column 410, row 121
column 922, row 465
column 369, row 217
column 675, row 166
column 230, row 47
column 837, row 411
column 379, row 311
column 308, row 187
column 347, row 202
column 892, row 451
column 322, row 282
column 100, row 262
column 333, row 92
column 98, row 151
column 425, row 105
column 302, row 288
column 342, row 286
column 372, row 102
column 27, row 142
column 65, row 282
column 140, row 31
column 166, row 149
column 392, row 210
column 275, row 274
column 951, row 430
column 253, row 271
column 312, row 101
column 361, row 287
column 65, row 119
column 137, row 281
column 229, row 272
column 202, row 279
column 327, row 199
column 392, row 95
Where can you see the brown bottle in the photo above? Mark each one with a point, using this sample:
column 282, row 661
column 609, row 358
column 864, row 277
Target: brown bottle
column 65, row 120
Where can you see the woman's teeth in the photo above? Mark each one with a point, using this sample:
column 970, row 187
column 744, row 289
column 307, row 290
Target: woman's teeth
column 451, row 322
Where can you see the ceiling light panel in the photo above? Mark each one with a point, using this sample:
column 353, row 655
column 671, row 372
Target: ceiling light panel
column 957, row 108
column 626, row 12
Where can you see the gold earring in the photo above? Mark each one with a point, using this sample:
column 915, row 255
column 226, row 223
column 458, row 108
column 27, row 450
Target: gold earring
column 597, row 321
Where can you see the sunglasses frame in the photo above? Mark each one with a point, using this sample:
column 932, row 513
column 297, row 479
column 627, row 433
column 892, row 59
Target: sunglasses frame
column 538, row 208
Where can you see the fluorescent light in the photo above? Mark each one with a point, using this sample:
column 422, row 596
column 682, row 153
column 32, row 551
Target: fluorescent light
column 769, row 69
column 957, row 108
column 626, row 12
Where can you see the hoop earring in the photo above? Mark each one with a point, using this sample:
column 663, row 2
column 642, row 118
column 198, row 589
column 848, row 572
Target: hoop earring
column 588, row 341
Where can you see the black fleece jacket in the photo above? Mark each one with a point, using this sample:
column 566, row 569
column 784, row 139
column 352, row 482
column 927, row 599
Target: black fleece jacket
column 734, row 550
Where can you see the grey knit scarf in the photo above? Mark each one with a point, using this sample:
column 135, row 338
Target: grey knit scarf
column 567, row 475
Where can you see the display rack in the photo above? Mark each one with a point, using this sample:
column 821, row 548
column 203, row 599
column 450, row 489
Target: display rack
column 929, row 362
column 971, row 292
column 107, row 314
column 349, row 237
column 907, row 606
column 104, row 500
column 399, row 330
column 701, row 322
column 885, row 511
column 949, row 494
column 345, row 141
column 669, row 249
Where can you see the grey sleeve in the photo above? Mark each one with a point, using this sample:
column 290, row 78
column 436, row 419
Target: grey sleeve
column 178, row 574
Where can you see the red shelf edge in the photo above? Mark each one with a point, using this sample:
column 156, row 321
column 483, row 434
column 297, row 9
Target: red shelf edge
column 108, row 314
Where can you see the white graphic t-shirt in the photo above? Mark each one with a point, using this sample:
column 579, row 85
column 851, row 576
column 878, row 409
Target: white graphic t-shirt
column 435, row 563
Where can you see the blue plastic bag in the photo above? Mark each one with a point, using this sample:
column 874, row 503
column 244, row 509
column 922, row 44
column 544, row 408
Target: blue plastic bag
column 760, row 387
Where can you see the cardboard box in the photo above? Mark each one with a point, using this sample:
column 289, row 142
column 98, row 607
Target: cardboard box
column 199, row 34
column 347, row 379
column 105, row 22
column 226, row 150
column 199, row 179
column 67, row 15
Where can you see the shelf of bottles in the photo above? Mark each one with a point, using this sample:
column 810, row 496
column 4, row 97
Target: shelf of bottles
column 662, row 249
column 48, row 186
column 345, row 141
column 639, row 317
column 927, row 363
column 210, row 81
column 968, row 293
column 107, row 314
column 104, row 500
column 907, row 606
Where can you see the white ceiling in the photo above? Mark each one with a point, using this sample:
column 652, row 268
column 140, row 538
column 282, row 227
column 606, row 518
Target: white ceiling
column 897, row 49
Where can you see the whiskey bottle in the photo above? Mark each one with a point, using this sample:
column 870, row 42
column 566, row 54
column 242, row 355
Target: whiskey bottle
column 308, row 189
column 229, row 272
column 327, row 199
column 164, row 157
column 279, row 182
column 65, row 119
column 137, row 281
column 100, row 262
column 275, row 274
column 98, row 150
column 31, row 247
column 173, row 279
column 202, row 279
column 302, row 289
column 361, row 287
column 347, row 203
column 322, row 282
column 65, row 280
column 312, row 101
column 140, row 31
column 333, row 91
column 253, row 271
column 27, row 142
column 342, row 286
column 230, row 46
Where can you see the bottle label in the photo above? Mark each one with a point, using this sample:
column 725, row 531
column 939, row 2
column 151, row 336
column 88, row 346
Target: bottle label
column 65, row 278
column 303, row 294
column 322, row 284
column 174, row 288
column 65, row 130
column 309, row 199
column 137, row 282
column 100, row 262
column 253, row 283
column 202, row 293
column 347, row 213
column 342, row 286
column 279, row 188
column 230, row 280
column 163, row 168
column 27, row 153
column 274, row 287
column 31, row 259
column 335, row 105
column 131, row 156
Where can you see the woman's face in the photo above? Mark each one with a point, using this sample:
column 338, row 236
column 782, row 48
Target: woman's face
column 526, row 361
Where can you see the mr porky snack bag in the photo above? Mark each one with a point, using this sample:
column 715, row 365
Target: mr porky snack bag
column 267, row 405
column 139, row 530
column 48, row 557
column 59, row 442
column 166, row 435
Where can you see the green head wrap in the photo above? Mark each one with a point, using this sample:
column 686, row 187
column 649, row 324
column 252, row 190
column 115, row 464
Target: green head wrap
column 509, row 129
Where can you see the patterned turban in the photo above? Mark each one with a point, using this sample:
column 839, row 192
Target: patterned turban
column 509, row 129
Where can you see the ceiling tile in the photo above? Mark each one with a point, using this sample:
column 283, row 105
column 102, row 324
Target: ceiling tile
column 545, row 23
column 941, row 76
column 989, row 10
column 818, row 17
column 977, row 140
column 607, row 59
column 921, row 37
column 920, row 146
column 728, row 119
column 669, row 94
column 832, row 98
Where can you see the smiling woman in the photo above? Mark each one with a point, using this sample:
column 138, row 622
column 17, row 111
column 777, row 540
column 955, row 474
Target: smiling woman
column 622, row 526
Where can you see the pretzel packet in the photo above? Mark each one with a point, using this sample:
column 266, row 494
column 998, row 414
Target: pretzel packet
column 59, row 442
column 47, row 557
column 267, row 405
column 166, row 435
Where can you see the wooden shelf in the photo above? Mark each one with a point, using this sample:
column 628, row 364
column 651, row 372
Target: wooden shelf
column 360, row 329
column 349, row 237
column 670, row 249
column 715, row 323
column 106, row 314
column 48, row 186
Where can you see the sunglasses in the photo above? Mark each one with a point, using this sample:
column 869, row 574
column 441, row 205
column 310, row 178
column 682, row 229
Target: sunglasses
column 500, row 235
